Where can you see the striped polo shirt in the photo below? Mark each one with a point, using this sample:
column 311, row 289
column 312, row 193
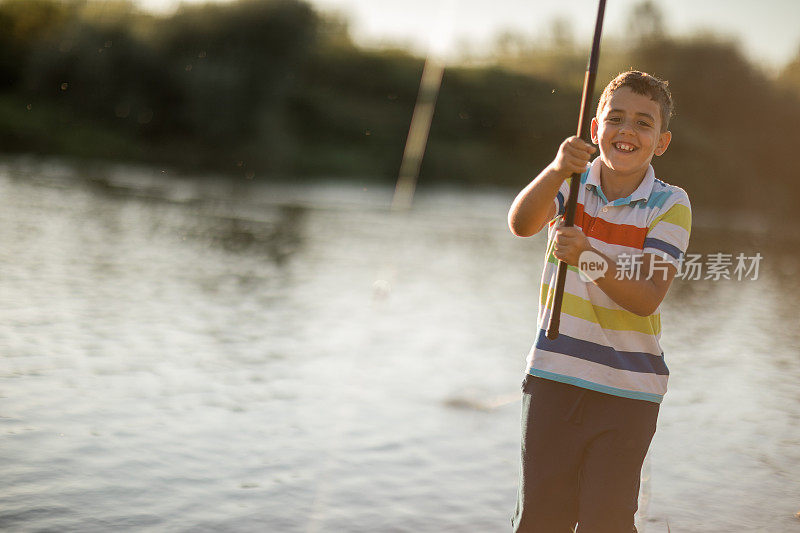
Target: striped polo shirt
column 602, row 346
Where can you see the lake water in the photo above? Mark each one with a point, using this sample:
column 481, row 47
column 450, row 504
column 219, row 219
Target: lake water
column 194, row 355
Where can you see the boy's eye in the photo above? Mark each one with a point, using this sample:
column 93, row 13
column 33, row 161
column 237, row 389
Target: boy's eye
column 613, row 119
column 645, row 124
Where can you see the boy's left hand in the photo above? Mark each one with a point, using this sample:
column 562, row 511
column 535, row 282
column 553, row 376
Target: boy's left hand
column 570, row 244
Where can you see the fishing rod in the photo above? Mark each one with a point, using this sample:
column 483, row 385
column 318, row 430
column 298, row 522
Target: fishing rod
column 584, row 120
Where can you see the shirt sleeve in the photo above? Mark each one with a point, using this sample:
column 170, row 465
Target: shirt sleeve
column 560, row 200
column 668, row 234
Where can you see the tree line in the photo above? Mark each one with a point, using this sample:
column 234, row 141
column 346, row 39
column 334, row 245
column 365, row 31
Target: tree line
column 265, row 89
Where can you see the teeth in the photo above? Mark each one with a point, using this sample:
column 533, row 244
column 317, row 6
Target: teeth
column 625, row 147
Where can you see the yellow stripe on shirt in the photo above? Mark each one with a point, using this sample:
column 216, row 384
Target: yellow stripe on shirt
column 616, row 319
column 678, row 214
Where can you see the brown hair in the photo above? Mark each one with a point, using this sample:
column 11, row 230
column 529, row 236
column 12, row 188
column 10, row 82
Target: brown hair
column 646, row 85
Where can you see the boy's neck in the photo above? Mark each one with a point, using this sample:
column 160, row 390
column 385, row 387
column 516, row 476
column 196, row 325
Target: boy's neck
column 616, row 185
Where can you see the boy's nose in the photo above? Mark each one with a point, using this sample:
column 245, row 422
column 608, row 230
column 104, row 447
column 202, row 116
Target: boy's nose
column 626, row 127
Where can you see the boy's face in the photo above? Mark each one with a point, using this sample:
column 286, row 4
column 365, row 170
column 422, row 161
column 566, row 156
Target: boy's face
column 628, row 131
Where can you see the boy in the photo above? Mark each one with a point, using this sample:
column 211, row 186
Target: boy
column 592, row 395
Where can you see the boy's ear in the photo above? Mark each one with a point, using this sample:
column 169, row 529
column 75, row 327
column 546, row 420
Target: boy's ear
column 594, row 130
column 663, row 142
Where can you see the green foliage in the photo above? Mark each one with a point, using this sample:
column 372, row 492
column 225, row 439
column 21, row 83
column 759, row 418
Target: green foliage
column 734, row 127
column 23, row 23
column 789, row 78
column 47, row 128
column 272, row 87
column 506, row 124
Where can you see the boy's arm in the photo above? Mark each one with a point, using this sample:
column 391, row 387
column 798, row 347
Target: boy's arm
column 640, row 291
column 646, row 290
column 533, row 207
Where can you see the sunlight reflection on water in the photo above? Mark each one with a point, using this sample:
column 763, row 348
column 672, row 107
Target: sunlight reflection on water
column 190, row 354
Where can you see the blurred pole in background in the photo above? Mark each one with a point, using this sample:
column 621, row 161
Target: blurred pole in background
column 422, row 117
column 420, row 126
column 418, row 133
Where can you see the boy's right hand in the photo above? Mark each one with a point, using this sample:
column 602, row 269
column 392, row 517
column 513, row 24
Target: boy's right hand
column 573, row 156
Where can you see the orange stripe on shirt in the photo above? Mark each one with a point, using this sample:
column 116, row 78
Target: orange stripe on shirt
column 621, row 234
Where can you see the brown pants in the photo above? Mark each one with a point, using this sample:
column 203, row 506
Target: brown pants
column 582, row 455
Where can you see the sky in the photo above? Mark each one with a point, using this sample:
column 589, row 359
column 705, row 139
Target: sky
column 768, row 30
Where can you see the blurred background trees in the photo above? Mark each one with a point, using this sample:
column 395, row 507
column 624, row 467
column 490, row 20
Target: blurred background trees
column 274, row 89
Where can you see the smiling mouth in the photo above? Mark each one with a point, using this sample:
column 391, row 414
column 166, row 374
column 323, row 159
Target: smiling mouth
column 625, row 147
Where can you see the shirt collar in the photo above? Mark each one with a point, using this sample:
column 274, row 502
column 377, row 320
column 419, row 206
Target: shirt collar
column 642, row 192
